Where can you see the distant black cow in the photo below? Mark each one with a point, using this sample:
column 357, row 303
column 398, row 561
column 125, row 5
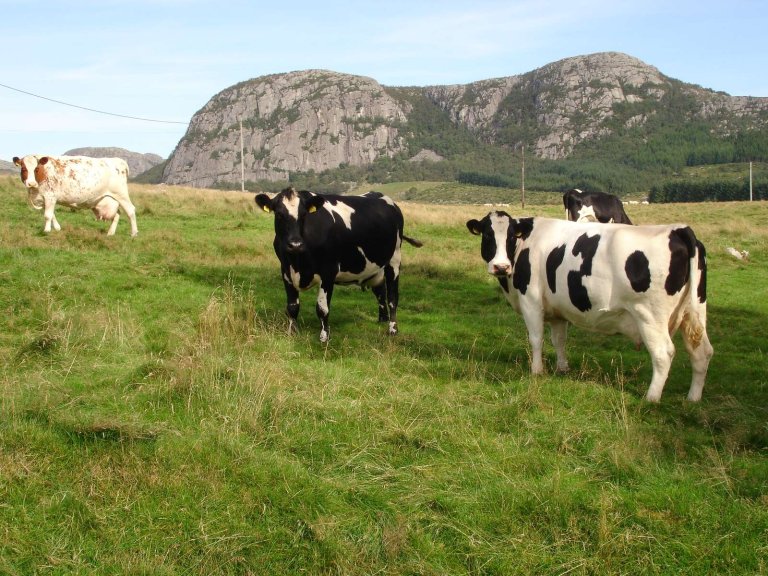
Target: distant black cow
column 329, row 240
column 594, row 206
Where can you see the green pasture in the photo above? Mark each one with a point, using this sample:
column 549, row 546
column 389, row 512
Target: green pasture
column 156, row 418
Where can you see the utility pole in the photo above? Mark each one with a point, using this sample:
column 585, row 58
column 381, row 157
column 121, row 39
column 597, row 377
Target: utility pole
column 522, row 180
column 242, row 160
column 750, row 181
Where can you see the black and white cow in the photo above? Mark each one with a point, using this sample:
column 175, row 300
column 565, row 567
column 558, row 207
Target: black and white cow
column 594, row 206
column 329, row 240
column 643, row 281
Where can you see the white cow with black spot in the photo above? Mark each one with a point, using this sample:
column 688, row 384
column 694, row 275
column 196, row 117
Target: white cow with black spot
column 646, row 282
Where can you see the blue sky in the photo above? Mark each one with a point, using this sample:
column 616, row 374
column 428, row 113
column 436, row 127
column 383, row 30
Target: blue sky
column 165, row 59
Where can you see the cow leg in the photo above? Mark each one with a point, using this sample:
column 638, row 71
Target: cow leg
column 130, row 211
column 559, row 332
column 392, row 282
column 700, row 355
column 292, row 307
column 662, row 350
column 534, row 323
column 50, row 217
column 113, row 226
column 380, row 292
column 323, row 308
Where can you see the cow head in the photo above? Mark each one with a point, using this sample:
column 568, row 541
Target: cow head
column 499, row 232
column 291, row 209
column 32, row 169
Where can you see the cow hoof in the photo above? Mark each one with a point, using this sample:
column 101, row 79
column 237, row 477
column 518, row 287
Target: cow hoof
column 324, row 336
column 392, row 328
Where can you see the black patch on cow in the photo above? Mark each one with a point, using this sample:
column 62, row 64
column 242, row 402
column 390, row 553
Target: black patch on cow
column 586, row 247
column 638, row 271
column 554, row 260
column 682, row 244
column 351, row 261
column 522, row 228
column 504, row 281
column 701, row 290
column 521, row 277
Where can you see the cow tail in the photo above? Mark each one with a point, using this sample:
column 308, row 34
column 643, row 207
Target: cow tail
column 413, row 241
column 697, row 287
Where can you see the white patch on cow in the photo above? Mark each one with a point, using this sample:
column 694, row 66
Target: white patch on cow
column 500, row 226
column 294, row 278
column 397, row 257
column 371, row 275
column 292, row 205
column 343, row 211
column 322, row 301
column 586, row 214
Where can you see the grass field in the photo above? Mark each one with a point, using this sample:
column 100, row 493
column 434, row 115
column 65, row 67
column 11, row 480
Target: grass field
column 156, row 418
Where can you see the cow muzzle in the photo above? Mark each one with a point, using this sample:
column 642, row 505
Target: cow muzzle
column 295, row 246
column 500, row 269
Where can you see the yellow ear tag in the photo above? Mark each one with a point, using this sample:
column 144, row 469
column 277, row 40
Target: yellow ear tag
column 312, row 209
column 266, row 209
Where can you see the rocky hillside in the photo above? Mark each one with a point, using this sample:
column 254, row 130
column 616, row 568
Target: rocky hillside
column 137, row 162
column 299, row 121
column 314, row 120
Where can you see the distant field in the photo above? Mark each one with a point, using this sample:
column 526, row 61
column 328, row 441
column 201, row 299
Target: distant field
column 155, row 417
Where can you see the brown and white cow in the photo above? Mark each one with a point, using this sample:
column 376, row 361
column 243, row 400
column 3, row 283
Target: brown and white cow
column 100, row 184
column 642, row 281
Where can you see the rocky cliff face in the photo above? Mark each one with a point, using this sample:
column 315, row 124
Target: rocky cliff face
column 137, row 162
column 315, row 120
column 310, row 120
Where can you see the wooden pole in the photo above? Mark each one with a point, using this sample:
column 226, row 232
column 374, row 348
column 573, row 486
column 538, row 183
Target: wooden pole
column 750, row 181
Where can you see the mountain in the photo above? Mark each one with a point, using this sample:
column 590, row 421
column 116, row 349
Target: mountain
column 137, row 162
column 315, row 120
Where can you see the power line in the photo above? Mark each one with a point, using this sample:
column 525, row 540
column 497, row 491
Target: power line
column 91, row 109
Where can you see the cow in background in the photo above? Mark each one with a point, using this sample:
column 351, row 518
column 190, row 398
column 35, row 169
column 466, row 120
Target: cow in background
column 327, row 240
column 594, row 206
column 646, row 282
column 100, row 184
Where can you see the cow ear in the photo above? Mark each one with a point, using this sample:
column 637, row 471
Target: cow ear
column 522, row 228
column 17, row 160
column 474, row 227
column 314, row 203
column 43, row 161
column 264, row 202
